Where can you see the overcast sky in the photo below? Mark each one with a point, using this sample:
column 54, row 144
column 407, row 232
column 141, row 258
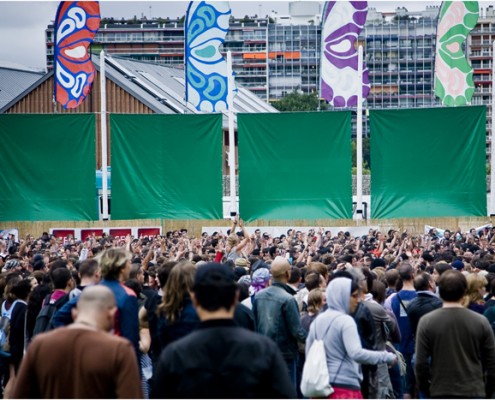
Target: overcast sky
column 23, row 23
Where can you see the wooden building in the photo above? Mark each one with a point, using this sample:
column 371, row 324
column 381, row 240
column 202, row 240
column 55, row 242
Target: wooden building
column 132, row 87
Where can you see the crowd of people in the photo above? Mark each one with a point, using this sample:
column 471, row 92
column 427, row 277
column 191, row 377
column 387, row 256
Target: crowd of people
column 234, row 314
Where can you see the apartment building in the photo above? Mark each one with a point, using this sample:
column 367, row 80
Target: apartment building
column 274, row 55
column 480, row 54
column 400, row 53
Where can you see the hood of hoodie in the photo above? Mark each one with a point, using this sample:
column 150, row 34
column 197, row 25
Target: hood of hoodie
column 338, row 294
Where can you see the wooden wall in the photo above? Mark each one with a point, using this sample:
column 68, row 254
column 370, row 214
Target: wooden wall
column 40, row 101
column 413, row 225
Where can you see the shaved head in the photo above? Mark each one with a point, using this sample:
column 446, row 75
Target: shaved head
column 279, row 267
column 96, row 299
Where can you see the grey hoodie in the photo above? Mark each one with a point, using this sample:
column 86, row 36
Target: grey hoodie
column 340, row 335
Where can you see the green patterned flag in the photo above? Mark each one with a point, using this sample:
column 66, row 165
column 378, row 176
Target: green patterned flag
column 453, row 73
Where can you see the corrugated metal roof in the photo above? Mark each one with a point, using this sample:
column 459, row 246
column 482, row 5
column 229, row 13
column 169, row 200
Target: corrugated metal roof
column 159, row 87
column 162, row 88
column 15, row 81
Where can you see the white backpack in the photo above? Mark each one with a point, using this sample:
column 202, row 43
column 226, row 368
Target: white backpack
column 315, row 381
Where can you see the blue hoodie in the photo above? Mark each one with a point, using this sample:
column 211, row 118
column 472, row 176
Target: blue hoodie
column 340, row 335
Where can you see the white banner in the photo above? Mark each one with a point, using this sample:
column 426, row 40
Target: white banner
column 275, row 231
column 4, row 233
column 440, row 232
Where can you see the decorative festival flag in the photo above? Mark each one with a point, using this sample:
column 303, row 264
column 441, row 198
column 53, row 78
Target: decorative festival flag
column 76, row 25
column 453, row 74
column 342, row 22
column 207, row 24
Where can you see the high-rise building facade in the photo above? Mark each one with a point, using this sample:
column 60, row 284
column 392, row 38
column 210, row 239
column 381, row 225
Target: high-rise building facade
column 399, row 53
column 480, row 53
column 275, row 55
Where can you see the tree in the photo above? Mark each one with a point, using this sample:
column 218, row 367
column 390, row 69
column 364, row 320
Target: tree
column 297, row 101
column 366, row 155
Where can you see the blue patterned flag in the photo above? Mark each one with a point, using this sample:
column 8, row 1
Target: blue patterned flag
column 76, row 24
column 207, row 24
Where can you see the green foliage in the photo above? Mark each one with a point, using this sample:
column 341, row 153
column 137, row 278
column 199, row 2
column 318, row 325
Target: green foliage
column 297, row 101
column 247, row 19
column 366, row 156
column 366, row 171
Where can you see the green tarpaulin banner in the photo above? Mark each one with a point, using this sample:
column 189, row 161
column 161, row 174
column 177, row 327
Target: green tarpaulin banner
column 166, row 166
column 295, row 166
column 48, row 167
column 428, row 162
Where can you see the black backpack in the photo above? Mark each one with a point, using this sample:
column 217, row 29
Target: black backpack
column 44, row 318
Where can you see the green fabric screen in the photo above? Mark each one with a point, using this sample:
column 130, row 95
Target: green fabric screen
column 428, row 162
column 48, row 167
column 295, row 166
column 166, row 166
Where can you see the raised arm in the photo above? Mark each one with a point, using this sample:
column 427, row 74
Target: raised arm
column 246, row 239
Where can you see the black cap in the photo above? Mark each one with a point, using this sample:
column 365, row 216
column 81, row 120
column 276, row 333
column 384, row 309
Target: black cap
column 259, row 264
column 213, row 274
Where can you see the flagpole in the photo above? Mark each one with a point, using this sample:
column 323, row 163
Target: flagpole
column 232, row 163
column 103, row 120
column 492, row 142
column 359, row 138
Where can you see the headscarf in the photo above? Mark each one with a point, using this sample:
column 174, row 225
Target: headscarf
column 259, row 280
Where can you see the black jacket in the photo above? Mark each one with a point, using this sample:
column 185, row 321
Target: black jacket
column 222, row 360
column 421, row 305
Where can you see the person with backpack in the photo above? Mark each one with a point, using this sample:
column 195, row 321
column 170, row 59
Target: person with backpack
column 63, row 283
column 339, row 332
column 115, row 265
column 16, row 330
column 6, row 313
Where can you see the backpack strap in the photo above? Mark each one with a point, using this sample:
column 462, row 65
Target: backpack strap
column 8, row 313
column 329, row 325
column 46, row 300
column 401, row 303
column 64, row 299
column 345, row 356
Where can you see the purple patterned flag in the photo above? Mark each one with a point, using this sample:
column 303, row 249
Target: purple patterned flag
column 342, row 22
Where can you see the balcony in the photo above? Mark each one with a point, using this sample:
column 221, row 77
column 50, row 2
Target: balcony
column 246, row 74
column 242, row 49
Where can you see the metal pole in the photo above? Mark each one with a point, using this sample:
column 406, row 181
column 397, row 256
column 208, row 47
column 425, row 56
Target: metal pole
column 359, row 138
column 232, row 163
column 492, row 141
column 103, row 120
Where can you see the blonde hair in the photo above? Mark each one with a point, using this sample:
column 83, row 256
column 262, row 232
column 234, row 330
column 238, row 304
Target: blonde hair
column 474, row 283
column 179, row 285
column 112, row 261
column 232, row 240
column 315, row 300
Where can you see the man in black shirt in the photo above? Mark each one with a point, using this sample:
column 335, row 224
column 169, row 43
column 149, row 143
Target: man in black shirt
column 220, row 359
